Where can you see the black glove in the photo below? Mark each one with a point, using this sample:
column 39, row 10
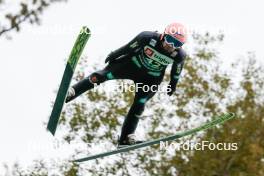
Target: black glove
column 171, row 88
column 110, row 58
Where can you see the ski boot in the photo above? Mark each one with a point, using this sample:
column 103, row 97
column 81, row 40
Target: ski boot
column 70, row 94
column 130, row 140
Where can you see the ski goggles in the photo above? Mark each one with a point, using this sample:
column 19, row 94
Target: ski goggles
column 172, row 41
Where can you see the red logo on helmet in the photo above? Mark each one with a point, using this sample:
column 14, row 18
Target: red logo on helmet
column 149, row 52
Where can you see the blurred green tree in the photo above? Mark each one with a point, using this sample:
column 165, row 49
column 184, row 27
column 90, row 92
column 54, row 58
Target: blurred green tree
column 208, row 87
column 28, row 11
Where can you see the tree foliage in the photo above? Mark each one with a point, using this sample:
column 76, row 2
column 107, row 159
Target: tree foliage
column 207, row 88
column 27, row 12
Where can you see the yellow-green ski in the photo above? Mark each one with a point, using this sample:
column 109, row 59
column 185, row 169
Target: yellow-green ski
column 67, row 77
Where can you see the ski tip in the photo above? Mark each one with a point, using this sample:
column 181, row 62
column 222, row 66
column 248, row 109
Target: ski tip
column 231, row 114
column 86, row 30
column 78, row 160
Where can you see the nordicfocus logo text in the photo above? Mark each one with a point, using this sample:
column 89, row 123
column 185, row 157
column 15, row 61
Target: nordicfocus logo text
column 203, row 145
column 137, row 87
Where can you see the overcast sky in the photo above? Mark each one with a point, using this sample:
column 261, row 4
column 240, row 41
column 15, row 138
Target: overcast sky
column 33, row 62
